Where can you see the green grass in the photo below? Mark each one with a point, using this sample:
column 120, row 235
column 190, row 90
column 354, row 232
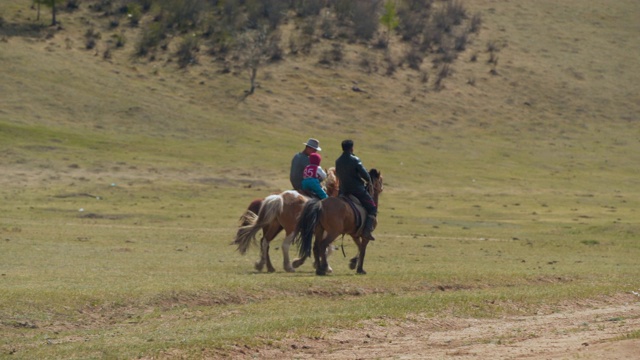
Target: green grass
column 490, row 207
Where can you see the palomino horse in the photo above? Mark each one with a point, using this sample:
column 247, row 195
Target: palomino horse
column 329, row 218
column 271, row 215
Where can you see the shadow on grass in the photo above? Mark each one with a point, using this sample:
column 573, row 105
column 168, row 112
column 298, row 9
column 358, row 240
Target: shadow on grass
column 26, row 30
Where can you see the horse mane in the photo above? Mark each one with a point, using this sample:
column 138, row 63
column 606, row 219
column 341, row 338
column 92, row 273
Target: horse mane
column 332, row 183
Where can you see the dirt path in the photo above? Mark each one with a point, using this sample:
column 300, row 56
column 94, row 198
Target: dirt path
column 584, row 331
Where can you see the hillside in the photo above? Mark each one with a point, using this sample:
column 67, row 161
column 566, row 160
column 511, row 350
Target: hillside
column 511, row 188
column 563, row 91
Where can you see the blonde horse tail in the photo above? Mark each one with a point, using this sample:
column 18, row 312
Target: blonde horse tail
column 271, row 207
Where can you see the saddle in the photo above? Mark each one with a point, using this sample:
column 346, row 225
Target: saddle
column 358, row 210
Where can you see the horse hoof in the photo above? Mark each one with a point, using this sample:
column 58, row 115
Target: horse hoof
column 271, row 270
column 297, row 263
column 352, row 264
column 320, row 272
column 329, row 270
column 258, row 267
column 361, row 272
column 290, row 269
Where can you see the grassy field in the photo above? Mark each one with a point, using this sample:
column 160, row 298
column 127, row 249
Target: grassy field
column 512, row 192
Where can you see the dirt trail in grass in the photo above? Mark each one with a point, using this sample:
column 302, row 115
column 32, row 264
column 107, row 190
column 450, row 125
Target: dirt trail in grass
column 584, row 331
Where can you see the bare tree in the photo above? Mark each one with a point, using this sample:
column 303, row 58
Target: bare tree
column 253, row 51
column 52, row 5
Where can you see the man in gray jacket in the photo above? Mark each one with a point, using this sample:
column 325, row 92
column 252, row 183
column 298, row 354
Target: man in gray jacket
column 300, row 161
column 353, row 177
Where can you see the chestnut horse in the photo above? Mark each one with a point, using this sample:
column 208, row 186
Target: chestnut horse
column 329, row 218
column 271, row 215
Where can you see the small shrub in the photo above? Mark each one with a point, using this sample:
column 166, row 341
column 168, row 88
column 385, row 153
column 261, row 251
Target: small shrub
column 492, row 46
column 306, row 8
column 273, row 50
column 92, row 38
column 414, row 58
column 367, row 63
column 134, row 13
column 424, row 77
column 73, row 5
column 365, row 19
column 327, row 28
column 391, row 65
column 475, row 23
column 119, row 40
column 444, row 72
column 333, row 55
column 460, row 42
column 187, row 51
column 150, row 39
column 493, row 58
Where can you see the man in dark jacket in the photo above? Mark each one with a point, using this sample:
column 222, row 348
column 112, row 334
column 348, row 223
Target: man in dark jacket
column 353, row 177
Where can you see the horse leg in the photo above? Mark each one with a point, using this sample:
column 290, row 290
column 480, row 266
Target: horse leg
column 259, row 265
column 285, row 253
column 361, row 253
column 328, row 252
column 353, row 262
column 265, row 251
column 317, row 256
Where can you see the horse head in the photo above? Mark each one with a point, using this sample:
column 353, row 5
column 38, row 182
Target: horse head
column 376, row 186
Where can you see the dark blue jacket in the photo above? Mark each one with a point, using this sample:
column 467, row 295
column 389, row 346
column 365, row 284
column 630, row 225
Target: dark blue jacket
column 351, row 173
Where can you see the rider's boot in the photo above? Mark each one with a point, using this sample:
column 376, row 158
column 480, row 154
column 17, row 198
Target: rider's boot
column 368, row 228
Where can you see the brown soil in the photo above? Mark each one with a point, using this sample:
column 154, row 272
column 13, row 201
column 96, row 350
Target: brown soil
column 602, row 330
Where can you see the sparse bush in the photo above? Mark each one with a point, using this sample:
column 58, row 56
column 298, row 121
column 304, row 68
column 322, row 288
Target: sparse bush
column 460, row 42
column 119, row 40
column 134, row 13
column 306, row 8
column 309, row 27
column 424, row 77
column 475, row 23
column 444, row 72
column 432, row 37
column 184, row 14
column 391, row 65
column 449, row 15
column 414, row 58
column 187, row 50
column 343, row 9
column 327, row 27
column 492, row 46
column 151, row 38
column 367, row 63
column 274, row 12
column 365, row 19
column 91, row 37
column 412, row 23
column 273, row 50
column 333, row 55
column 455, row 11
column 72, row 5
